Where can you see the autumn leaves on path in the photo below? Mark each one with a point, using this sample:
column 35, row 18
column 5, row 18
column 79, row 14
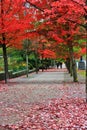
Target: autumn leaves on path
column 39, row 102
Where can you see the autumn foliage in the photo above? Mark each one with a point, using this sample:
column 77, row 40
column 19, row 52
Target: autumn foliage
column 56, row 27
column 16, row 22
column 58, row 21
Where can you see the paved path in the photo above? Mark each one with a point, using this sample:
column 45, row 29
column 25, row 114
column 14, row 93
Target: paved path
column 45, row 77
column 16, row 99
column 48, row 76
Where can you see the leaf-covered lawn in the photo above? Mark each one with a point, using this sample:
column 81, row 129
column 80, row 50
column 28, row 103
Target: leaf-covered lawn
column 57, row 114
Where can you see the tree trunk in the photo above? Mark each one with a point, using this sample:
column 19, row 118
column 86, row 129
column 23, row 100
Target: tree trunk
column 4, row 45
column 5, row 62
column 68, row 64
column 86, row 71
column 42, row 63
column 36, row 62
column 36, row 59
column 86, row 54
column 27, row 64
column 43, row 47
column 71, row 67
column 73, row 63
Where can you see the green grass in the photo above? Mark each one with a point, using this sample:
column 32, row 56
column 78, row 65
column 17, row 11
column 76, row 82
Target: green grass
column 82, row 72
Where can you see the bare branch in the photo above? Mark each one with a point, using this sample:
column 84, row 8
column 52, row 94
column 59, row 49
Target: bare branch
column 35, row 6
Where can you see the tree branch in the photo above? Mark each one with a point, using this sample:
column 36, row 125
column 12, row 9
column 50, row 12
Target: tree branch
column 80, row 5
column 35, row 6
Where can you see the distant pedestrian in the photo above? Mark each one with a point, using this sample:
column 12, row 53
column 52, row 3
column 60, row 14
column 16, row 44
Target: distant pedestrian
column 61, row 65
column 57, row 65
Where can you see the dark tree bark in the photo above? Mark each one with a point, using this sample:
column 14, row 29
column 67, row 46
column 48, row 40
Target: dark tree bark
column 5, row 63
column 27, row 69
column 36, row 62
column 86, row 54
column 71, row 73
column 73, row 63
column 67, row 63
column 3, row 44
column 42, row 64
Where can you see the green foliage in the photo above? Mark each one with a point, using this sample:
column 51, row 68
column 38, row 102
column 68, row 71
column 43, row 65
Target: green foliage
column 1, row 51
column 81, row 41
column 82, row 73
column 76, row 49
column 60, row 60
column 17, row 60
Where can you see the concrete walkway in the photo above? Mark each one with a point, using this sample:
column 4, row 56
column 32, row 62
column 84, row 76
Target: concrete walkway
column 48, row 76
column 44, row 77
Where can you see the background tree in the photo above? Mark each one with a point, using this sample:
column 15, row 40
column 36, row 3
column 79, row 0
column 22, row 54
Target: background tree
column 63, row 23
column 13, row 26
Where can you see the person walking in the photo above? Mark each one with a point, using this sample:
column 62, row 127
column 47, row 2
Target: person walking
column 61, row 65
column 57, row 65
